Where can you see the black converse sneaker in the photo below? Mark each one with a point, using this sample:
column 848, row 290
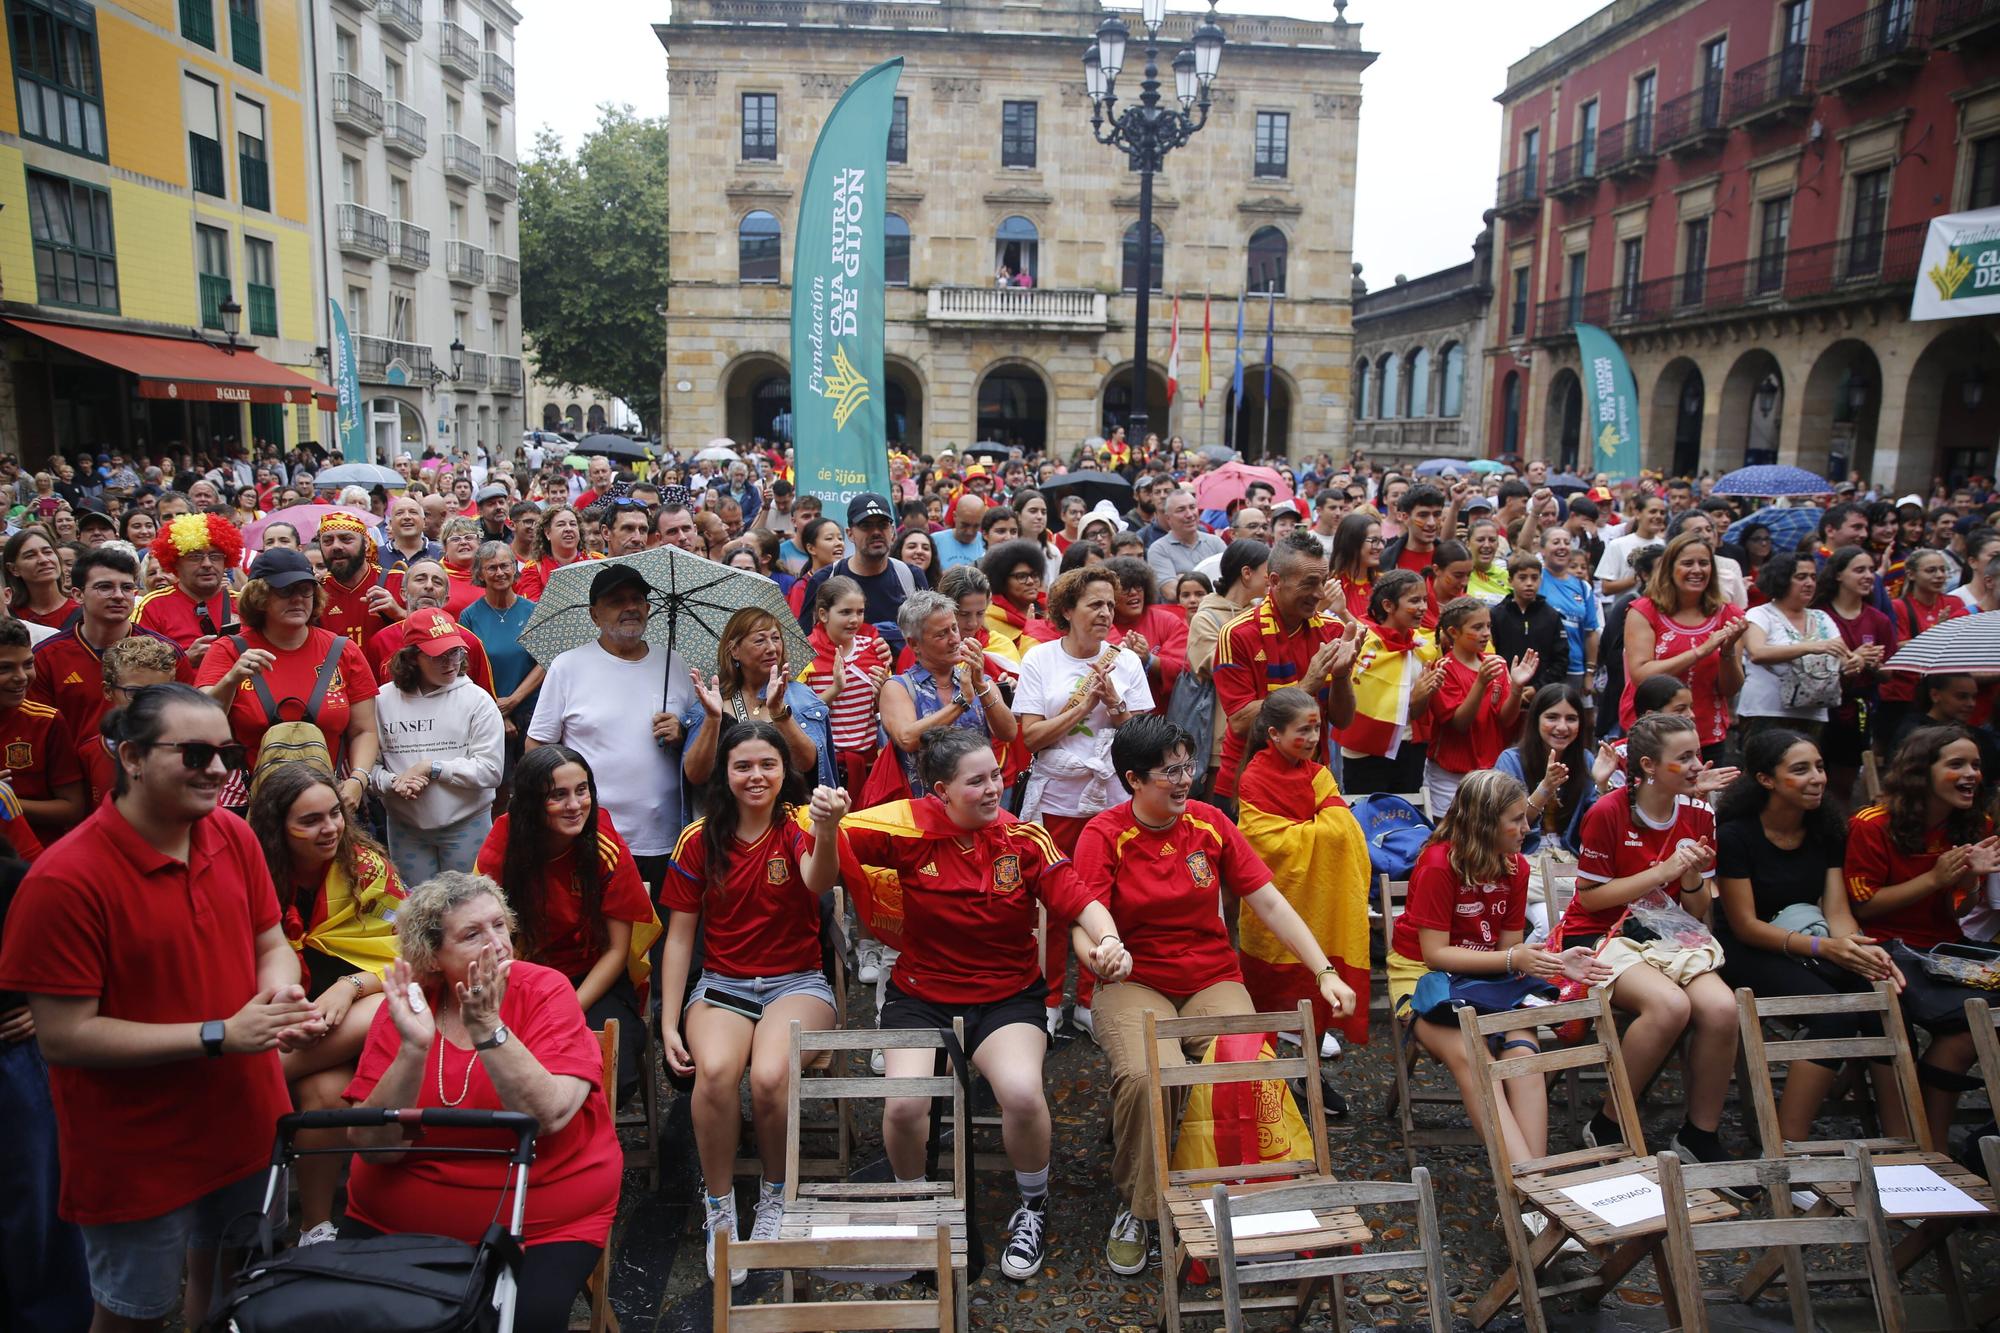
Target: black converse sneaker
column 1024, row 1239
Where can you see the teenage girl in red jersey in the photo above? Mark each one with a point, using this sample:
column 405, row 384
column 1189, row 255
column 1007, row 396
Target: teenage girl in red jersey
column 1478, row 699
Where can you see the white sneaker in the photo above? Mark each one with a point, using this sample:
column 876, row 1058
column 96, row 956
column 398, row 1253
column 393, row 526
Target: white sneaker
column 1329, row 1047
column 323, row 1231
column 1052, row 1019
column 770, row 1214
column 721, row 1213
column 1803, row 1200
column 1079, row 1016
column 1537, row 1223
column 876, row 1063
column 868, row 961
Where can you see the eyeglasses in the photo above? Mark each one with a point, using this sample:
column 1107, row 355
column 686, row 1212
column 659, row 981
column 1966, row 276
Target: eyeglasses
column 1175, row 772
column 198, row 755
column 1374, row 541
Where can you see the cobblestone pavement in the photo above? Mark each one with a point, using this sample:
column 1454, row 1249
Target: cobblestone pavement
column 659, row 1283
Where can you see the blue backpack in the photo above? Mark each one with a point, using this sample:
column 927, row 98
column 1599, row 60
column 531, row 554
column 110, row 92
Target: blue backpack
column 1396, row 832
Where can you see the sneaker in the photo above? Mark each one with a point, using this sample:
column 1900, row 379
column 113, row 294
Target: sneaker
column 877, row 1063
column 1024, row 1239
column 721, row 1214
column 322, row 1231
column 868, row 962
column 1537, row 1223
column 1601, row 1127
column 1740, row 1193
column 770, row 1214
column 1804, row 1200
column 1052, row 1019
column 1125, row 1248
column 1079, row 1017
column 1329, row 1047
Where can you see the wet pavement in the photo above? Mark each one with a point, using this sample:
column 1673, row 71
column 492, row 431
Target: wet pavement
column 659, row 1284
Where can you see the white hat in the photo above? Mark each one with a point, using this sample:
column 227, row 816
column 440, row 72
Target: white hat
column 1916, row 500
column 1106, row 511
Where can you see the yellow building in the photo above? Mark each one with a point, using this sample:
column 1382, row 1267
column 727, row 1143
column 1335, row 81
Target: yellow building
column 158, row 197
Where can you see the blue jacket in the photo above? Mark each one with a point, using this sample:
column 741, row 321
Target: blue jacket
column 1509, row 763
column 813, row 715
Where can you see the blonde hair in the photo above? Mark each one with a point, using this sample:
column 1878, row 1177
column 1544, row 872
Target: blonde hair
column 420, row 922
column 1471, row 827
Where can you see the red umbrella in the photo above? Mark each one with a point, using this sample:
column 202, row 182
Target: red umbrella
column 1214, row 490
column 306, row 518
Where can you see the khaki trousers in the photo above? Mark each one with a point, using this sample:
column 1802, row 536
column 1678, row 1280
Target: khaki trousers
column 1121, row 1034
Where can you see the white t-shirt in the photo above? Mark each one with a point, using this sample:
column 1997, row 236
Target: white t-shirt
column 1617, row 561
column 1763, row 686
column 533, row 454
column 1074, row 775
column 602, row 707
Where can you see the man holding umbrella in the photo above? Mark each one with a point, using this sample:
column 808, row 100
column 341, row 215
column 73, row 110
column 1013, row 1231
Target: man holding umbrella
column 586, row 703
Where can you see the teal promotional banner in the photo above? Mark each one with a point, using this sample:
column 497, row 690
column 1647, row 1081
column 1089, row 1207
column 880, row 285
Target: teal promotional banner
column 839, row 417
column 350, row 435
column 1613, row 397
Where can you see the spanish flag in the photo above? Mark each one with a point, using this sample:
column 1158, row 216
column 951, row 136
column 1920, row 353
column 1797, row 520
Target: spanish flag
column 1386, row 669
column 1295, row 818
column 356, row 921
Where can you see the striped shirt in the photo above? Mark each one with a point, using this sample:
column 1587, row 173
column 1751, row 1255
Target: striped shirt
column 855, row 709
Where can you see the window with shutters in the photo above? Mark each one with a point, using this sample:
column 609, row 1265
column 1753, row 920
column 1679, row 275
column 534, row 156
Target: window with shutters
column 76, row 263
column 57, row 80
column 204, row 131
column 211, row 246
column 253, row 169
column 260, row 274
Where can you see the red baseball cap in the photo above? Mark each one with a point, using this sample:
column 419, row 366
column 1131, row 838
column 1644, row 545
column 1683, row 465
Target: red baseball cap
column 433, row 631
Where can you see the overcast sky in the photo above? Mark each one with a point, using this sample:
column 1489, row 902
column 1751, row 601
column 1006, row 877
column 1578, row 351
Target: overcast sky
column 1429, row 124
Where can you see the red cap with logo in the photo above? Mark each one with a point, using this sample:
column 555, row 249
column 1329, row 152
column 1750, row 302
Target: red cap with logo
column 433, row 631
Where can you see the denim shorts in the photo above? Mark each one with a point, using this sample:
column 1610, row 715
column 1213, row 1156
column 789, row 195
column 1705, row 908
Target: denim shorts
column 764, row 990
column 136, row 1267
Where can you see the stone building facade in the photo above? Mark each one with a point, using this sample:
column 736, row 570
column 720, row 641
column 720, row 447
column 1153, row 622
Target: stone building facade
column 993, row 163
column 1418, row 374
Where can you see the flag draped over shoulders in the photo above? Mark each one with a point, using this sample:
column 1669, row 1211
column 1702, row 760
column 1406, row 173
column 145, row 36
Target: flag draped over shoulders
column 1295, row 818
column 1386, row 668
column 357, row 921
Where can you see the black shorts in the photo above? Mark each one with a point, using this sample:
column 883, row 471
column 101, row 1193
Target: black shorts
column 902, row 1012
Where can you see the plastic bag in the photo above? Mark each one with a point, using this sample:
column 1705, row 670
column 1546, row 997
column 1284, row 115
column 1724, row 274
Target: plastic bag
column 1660, row 918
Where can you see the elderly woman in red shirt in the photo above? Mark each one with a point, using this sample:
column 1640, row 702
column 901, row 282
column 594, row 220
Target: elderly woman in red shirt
column 466, row 1024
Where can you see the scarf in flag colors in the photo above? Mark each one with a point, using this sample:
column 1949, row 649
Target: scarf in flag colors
column 1385, row 670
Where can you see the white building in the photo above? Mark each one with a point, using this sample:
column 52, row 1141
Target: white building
column 419, row 186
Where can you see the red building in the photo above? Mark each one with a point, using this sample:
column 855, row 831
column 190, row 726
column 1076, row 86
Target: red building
column 1738, row 190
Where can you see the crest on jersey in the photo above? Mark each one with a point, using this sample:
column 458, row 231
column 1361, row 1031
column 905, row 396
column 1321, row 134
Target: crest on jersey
column 20, row 754
column 1203, row 872
column 1007, row 874
column 777, row 870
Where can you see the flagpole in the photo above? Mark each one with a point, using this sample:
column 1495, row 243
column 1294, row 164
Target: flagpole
column 1270, row 314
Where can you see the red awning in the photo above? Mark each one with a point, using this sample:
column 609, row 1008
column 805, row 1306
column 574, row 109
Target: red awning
column 185, row 370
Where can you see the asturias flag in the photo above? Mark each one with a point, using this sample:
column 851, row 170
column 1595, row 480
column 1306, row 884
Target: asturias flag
column 1204, row 351
column 1174, row 355
column 1613, row 396
column 839, row 425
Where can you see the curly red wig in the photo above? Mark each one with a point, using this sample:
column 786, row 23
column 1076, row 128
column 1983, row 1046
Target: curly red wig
column 184, row 534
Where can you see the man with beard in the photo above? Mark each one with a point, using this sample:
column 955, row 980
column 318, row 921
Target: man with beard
column 357, row 604
column 885, row 581
column 200, row 549
column 69, row 668
column 426, row 586
column 407, row 542
column 492, row 502
column 588, row 702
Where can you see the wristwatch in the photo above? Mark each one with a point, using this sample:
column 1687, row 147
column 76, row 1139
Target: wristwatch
column 211, row 1037
column 434, row 770
column 498, row 1038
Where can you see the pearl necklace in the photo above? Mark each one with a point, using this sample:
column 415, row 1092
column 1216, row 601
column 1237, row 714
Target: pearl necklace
column 464, row 1088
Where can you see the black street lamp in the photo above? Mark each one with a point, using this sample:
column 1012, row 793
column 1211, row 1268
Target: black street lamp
column 231, row 315
column 1146, row 133
column 457, row 366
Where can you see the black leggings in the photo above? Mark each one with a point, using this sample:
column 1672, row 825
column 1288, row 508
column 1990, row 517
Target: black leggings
column 1772, row 974
column 551, row 1277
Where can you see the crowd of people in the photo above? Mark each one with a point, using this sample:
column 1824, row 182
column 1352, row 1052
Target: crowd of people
column 296, row 815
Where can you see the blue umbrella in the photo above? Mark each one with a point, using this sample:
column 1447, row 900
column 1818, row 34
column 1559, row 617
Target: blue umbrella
column 1431, row 467
column 1772, row 479
column 1564, row 483
column 1788, row 527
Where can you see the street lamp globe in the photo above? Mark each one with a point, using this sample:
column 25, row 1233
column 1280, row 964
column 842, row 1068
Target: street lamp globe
column 1208, row 41
column 1111, row 37
column 1185, row 83
column 232, row 317
column 457, row 358
column 1153, row 13
column 1093, row 74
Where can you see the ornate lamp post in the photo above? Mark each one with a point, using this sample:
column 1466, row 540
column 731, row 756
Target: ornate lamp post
column 1146, row 132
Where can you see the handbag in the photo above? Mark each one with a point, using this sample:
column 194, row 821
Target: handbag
column 1192, row 707
column 1810, row 682
column 1439, row 993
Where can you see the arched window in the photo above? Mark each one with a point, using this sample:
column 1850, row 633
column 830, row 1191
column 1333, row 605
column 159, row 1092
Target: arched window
column 1267, row 261
column 1510, row 411
column 1017, row 247
column 1361, row 373
column 895, row 250
column 1130, row 282
column 1391, row 397
column 1451, row 380
column 1418, row 404
column 757, row 247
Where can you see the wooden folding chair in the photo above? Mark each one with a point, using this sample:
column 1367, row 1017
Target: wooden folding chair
column 1784, row 1234
column 1558, row 891
column 645, row 1115
column 1927, row 1233
column 1539, row 1182
column 790, row 1316
column 1326, row 1202
column 1871, row 779
column 814, row 1205
column 1986, row 1042
column 1186, row 1233
column 1406, row 1094
column 603, row 1319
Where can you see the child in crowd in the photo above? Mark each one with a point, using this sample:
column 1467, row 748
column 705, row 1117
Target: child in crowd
column 1396, row 671
column 1478, row 700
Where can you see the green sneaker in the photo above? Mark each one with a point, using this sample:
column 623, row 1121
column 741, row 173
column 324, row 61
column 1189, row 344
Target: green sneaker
column 1125, row 1248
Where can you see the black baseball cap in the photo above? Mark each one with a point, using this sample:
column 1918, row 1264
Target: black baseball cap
column 281, row 567
column 868, row 505
column 613, row 577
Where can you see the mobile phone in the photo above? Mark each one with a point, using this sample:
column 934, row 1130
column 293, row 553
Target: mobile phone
column 734, row 1003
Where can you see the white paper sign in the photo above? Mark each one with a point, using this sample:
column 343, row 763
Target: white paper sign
column 1265, row 1224
column 1908, row 1191
column 864, row 1233
column 1619, row 1200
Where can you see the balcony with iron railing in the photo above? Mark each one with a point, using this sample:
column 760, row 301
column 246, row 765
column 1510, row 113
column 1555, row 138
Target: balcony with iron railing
column 384, row 361
column 1626, row 149
column 1519, row 191
column 363, row 231
column 263, row 310
column 464, row 262
column 1691, row 123
column 214, row 291
column 357, row 104
column 404, row 130
column 508, row 375
column 1773, row 88
column 458, row 50
column 409, row 246
column 478, row 371
column 503, row 178
column 1034, row 307
column 205, row 159
column 365, row 6
column 496, row 76
column 1876, row 45
column 1957, row 21
column 1855, row 268
column 503, row 274
column 1573, row 169
column 462, row 159
column 401, row 18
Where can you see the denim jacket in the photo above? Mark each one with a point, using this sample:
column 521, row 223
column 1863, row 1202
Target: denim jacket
column 814, row 717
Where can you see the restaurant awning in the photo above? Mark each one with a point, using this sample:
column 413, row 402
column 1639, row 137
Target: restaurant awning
column 183, row 369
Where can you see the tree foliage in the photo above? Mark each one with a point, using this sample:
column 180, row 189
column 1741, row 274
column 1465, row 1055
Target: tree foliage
column 594, row 258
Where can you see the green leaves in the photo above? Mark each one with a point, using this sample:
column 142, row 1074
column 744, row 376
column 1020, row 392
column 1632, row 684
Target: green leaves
column 594, row 258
